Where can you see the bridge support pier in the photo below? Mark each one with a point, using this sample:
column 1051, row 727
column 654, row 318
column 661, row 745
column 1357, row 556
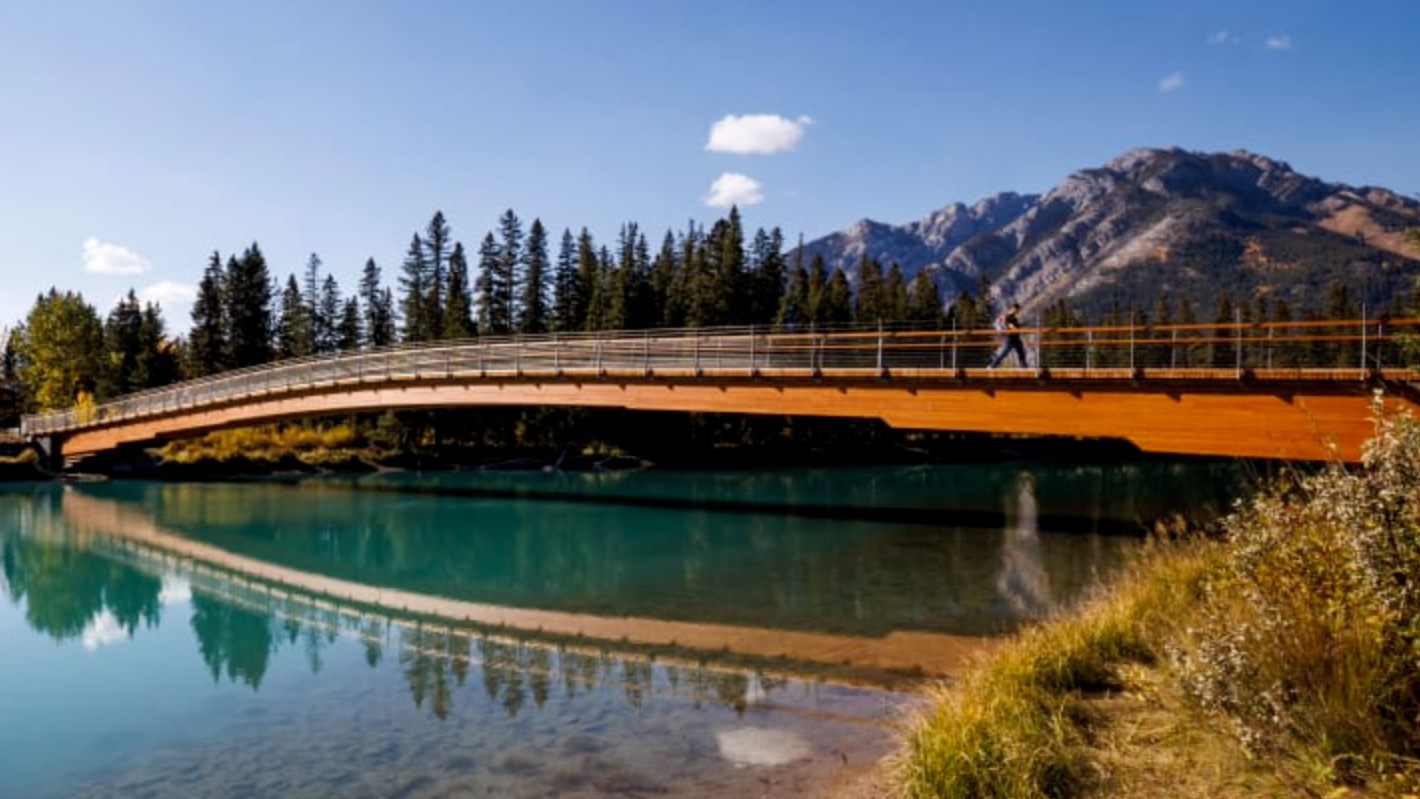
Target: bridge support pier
column 51, row 452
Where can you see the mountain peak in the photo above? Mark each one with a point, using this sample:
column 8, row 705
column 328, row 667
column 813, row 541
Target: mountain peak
column 1152, row 219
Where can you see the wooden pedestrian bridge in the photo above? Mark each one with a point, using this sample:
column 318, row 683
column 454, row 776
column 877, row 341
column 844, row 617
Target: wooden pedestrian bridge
column 1299, row 390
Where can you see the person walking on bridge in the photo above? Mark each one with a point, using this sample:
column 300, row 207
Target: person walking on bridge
column 1010, row 324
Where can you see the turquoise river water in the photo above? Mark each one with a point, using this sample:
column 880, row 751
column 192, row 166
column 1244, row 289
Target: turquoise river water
column 699, row 634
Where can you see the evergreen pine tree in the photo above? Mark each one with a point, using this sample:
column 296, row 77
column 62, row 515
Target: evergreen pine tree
column 436, row 264
column 532, row 305
column 599, row 302
column 794, row 310
column 318, row 327
column 1222, row 349
column 982, row 311
column 818, row 290
column 868, row 304
column 207, row 338
column 620, row 282
column 458, row 311
column 331, row 307
column 122, row 344
column 489, row 306
column 924, row 304
column 588, row 276
column 837, row 300
column 697, row 284
column 415, row 285
column 348, row 333
column 767, row 269
column 564, row 285
column 381, row 332
column 249, row 309
column 378, row 309
column 664, row 282
column 292, row 323
column 157, row 357
column 642, row 309
column 725, row 253
column 508, row 276
column 894, row 295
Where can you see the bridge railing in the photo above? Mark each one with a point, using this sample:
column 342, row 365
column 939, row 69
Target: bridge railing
column 1314, row 349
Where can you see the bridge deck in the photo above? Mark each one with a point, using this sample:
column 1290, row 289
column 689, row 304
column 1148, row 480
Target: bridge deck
column 908, row 379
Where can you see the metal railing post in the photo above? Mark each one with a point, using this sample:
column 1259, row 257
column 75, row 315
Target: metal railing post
column 956, row 341
column 697, row 353
column 812, row 351
column 646, row 354
column 1131, row 344
column 1237, row 337
column 881, row 371
column 1363, row 341
column 1039, row 337
column 751, row 350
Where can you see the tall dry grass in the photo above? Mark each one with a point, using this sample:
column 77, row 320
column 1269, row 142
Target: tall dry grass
column 1008, row 727
column 309, row 442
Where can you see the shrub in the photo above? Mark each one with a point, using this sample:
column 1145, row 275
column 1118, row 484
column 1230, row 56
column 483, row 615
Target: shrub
column 1308, row 637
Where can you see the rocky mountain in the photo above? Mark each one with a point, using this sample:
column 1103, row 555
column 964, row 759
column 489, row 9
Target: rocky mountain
column 1156, row 222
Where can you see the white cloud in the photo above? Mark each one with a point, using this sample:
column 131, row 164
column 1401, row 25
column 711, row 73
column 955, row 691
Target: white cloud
column 756, row 134
column 1171, row 82
column 103, row 630
column 1221, row 37
column 732, row 188
column 175, row 589
column 756, row 746
column 1282, row 42
column 105, row 258
column 168, row 295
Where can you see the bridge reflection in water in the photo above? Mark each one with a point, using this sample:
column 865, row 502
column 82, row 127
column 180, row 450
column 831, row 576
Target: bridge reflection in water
column 1295, row 390
column 647, row 575
column 632, row 641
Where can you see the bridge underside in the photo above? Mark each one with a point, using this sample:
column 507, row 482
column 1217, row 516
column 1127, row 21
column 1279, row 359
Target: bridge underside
column 1294, row 420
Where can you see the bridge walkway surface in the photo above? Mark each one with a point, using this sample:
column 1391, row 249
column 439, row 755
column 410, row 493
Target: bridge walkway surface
column 1290, row 390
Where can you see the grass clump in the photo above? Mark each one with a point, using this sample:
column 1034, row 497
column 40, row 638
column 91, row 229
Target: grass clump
column 1283, row 659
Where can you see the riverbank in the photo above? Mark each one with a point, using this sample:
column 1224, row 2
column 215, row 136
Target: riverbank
column 1280, row 659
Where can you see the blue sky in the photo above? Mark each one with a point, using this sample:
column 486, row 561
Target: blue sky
column 137, row 137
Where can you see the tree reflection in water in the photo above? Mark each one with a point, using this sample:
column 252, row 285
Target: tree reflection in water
column 240, row 630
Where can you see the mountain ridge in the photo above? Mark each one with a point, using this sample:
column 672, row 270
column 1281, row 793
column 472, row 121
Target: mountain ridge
column 1190, row 223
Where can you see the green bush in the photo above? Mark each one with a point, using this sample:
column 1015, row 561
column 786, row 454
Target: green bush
column 1308, row 636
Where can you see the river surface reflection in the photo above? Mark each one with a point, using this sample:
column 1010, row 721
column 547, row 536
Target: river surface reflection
column 692, row 634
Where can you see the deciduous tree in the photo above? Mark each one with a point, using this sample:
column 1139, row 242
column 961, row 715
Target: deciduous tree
column 59, row 350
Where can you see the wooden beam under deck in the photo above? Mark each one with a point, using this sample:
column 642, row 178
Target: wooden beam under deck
column 1294, row 420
